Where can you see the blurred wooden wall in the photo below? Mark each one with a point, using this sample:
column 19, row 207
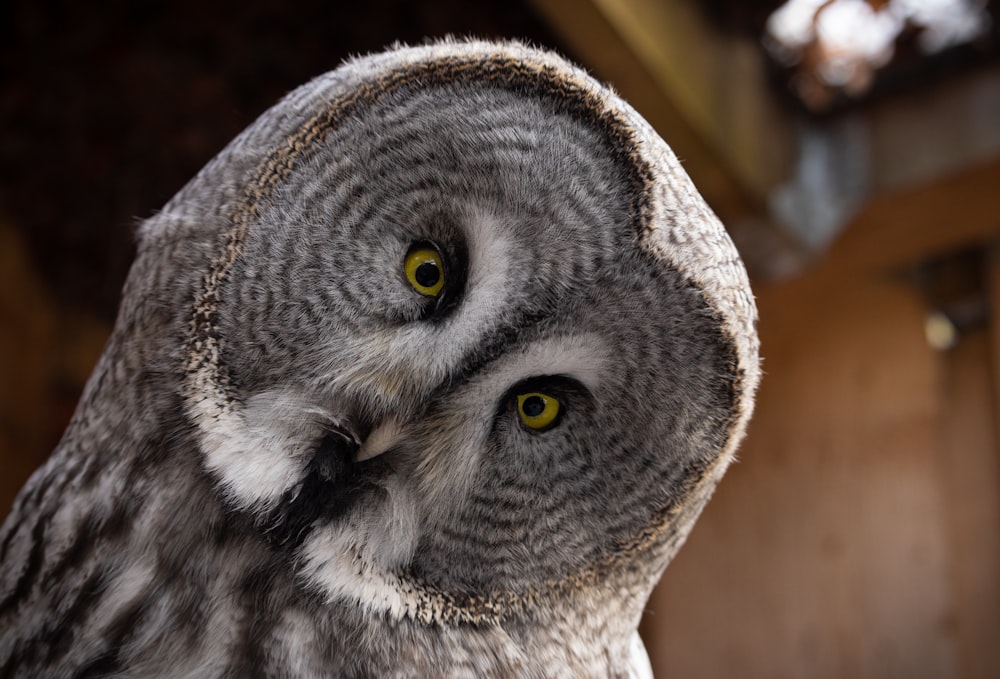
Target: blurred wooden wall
column 859, row 534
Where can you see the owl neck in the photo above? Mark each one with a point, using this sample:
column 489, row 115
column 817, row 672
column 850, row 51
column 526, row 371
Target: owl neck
column 583, row 628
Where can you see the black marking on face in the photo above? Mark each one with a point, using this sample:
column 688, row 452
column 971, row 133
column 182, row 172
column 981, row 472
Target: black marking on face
column 332, row 484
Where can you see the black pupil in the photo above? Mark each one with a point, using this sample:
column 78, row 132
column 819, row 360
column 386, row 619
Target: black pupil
column 427, row 274
column 533, row 406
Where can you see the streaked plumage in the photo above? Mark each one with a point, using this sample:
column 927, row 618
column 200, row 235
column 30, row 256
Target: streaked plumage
column 297, row 457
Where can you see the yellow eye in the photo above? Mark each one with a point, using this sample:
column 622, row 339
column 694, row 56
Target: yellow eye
column 537, row 411
column 424, row 270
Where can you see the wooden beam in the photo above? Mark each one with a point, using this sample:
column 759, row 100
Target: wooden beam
column 929, row 132
column 609, row 48
column 667, row 54
column 900, row 229
column 784, row 182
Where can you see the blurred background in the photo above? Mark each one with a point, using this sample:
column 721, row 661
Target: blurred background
column 852, row 147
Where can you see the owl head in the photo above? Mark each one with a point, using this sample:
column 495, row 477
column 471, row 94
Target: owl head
column 458, row 335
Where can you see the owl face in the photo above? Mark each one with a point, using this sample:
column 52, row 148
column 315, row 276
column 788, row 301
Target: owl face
column 441, row 352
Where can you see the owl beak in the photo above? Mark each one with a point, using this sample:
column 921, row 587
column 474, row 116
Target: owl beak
column 381, row 439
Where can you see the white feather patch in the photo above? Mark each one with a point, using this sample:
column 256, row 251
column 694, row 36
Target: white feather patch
column 355, row 561
column 639, row 665
column 584, row 357
column 259, row 451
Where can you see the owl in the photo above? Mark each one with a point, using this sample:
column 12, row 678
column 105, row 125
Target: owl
column 427, row 374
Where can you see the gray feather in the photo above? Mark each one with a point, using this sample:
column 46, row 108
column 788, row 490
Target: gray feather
column 292, row 462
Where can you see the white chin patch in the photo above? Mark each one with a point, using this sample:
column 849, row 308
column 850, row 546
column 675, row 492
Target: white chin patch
column 259, row 450
column 357, row 560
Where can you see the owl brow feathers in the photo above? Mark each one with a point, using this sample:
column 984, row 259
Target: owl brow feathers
column 211, row 399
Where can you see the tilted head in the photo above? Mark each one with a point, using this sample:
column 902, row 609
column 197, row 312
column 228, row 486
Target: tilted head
column 449, row 334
